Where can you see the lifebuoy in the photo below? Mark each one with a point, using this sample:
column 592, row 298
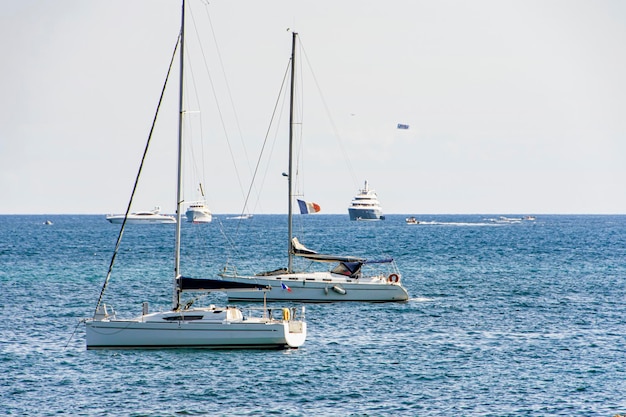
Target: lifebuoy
column 286, row 315
column 394, row 278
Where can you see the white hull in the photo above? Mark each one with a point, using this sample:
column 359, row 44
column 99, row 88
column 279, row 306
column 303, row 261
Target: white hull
column 361, row 214
column 199, row 215
column 320, row 287
column 172, row 330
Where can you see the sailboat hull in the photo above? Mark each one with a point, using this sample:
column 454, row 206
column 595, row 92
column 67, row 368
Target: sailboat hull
column 319, row 288
column 160, row 330
column 136, row 335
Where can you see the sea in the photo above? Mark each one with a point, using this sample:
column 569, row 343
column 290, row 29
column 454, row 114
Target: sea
column 506, row 317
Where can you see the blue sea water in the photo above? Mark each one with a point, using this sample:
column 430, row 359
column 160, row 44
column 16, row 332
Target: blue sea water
column 524, row 318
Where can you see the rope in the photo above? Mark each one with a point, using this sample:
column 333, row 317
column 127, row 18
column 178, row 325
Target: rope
column 258, row 162
column 73, row 333
column 145, row 152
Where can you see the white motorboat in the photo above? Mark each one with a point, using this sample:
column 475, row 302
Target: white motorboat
column 365, row 205
column 142, row 217
column 198, row 212
column 185, row 326
column 347, row 279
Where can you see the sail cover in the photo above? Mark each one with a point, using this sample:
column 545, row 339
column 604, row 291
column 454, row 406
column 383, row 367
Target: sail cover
column 300, row 250
column 207, row 284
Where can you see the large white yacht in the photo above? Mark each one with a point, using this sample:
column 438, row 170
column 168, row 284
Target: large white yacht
column 365, row 206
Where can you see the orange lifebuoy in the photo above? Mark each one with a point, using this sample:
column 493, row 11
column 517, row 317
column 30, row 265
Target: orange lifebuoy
column 394, row 278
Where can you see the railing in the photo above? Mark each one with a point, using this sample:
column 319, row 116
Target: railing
column 278, row 313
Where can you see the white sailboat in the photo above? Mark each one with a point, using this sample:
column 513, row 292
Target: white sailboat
column 185, row 326
column 345, row 281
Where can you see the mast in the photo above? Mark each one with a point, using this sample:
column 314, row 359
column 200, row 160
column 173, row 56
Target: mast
column 290, row 174
column 179, row 183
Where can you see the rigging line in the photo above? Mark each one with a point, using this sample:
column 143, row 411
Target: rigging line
column 298, row 129
column 258, row 163
column 73, row 333
column 199, row 173
column 230, row 95
column 299, row 134
column 267, row 133
column 132, row 195
column 332, row 122
column 196, row 171
column 284, row 102
column 219, row 110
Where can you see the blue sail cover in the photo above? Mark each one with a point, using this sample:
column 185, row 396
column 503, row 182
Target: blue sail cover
column 353, row 269
column 300, row 250
column 378, row 261
column 207, row 284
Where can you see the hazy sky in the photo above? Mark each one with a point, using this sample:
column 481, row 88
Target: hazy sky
column 513, row 106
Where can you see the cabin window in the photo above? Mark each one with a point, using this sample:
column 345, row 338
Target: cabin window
column 183, row 317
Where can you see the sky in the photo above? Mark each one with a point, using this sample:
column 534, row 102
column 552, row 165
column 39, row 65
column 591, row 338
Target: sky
column 513, row 107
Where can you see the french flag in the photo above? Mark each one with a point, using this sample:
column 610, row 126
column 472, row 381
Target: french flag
column 285, row 287
column 308, row 208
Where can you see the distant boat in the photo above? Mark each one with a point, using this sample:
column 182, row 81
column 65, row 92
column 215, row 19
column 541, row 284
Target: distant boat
column 411, row 220
column 241, row 217
column 198, row 212
column 48, row 223
column 185, row 326
column 530, row 218
column 365, row 206
column 506, row 220
column 142, row 217
column 347, row 279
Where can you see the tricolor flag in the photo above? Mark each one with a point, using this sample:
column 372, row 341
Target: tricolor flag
column 307, row 208
column 401, row 126
column 285, row 287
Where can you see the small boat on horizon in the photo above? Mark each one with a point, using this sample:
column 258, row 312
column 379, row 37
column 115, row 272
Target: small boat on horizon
column 241, row 217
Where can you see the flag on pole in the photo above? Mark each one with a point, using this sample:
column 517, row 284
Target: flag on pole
column 285, row 287
column 402, row 126
column 307, row 208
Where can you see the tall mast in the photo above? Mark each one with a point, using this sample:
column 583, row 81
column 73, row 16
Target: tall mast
column 179, row 184
column 290, row 175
